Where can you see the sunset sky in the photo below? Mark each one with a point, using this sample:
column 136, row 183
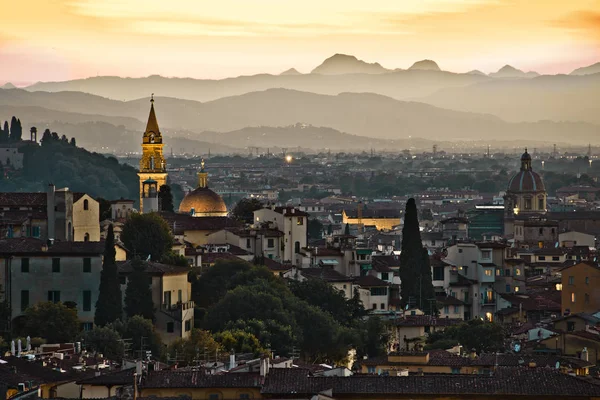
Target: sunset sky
column 44, row 40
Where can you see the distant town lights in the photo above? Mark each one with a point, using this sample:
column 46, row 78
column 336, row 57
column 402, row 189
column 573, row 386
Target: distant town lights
column 288, row 158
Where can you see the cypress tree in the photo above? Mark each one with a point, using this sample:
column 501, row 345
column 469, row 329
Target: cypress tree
column 4, row 133
column 416, row 287
column 19, row 133
column 73, row 142
column 347, row 229
column 13, row 128
column 6, row 129
column 165, row 197
column 138, row 295
column 109, row 307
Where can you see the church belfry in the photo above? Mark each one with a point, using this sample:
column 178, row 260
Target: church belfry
column 152, row 164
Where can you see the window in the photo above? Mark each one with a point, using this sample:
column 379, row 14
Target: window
column 382, row 306
column 498, row 272
column 541, row 231
column 87, row 300
column 466, row 269
column 488, row 272
column 507, row 272
column 456, row 370
column 167, row 298
column 170, row 327
column 446, row 310
column 573, row 297
column 87, row 264
column 542, row 258
column 300, row 221
column 213, row 396
column 541, row 204
column 86, row 237
column 570, row 326
column 297, row 247
column 586, row 298
column 385, row 276
column 517, row 271
column 86, row 205
column 371, row 370
column 35, row 231
column 507, row 288
column 188, row 325
column 248, row 243
column 374, row 306
column 516, row 289
column 438, row 273
column 587, row 280
column 270, row 243
column 180, row 296
column 379, row 291
column 245, row 396
column 555, row 258
column 87, row 326
column 528, row 204
column 460, row 250
column 456, row 309
column 24, row 265
column 486, row 254
column 571, row 280
column 54, row 296
column 24, row 299
column 56, row 265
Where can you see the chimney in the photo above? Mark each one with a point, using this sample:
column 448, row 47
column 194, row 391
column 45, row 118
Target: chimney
column 232, row 360
column 50, row 207
column 585, row 356
column 264, row 366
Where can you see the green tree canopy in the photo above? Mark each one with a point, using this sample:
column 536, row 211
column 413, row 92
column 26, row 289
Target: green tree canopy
column 415, row 271
column 314, row 229
column 138, row 295
column 199, row 345
column 105, row 340
column 143, row 336
column 482, row 336
column 109, row 306
column 239, row 341
column 54, row 322
column 147, row 235
column 244, row 210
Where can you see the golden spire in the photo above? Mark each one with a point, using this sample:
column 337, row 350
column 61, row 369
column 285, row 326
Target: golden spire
column 202, row 176
column 152, row 125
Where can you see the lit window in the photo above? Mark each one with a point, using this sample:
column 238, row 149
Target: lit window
column 516, row 288
column 517, row 272
column 300, row 221
column 573, row 298
column 488, row 272
column 559, row 286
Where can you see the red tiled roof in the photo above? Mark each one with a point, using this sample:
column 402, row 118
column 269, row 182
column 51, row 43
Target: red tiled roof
column 31, row 246
column 370, row 281
column 14, row 199
column 153, row 268
column 199, row 379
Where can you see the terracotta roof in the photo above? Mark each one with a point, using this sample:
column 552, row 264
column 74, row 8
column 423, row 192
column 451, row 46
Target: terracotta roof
column 251, row 232
column 179, row 223
column 504, row 382
column 211, row 258
column 374, row 213
column 425, row 320
column 534, row 303
column 290, row 212
column 123, row 377
column 326, row 273
column 32, row 246
column 199, row 379
column 449, row 301
column 13, row 199
column 370, row 281
column 153, row 268
column 526, row 181
column 276, row 266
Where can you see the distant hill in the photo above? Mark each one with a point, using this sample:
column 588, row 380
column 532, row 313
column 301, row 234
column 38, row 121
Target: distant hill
column 291, row 71
column 425, row 65
column 591, row 69
column 340, row 64
column 511, row 72
column 476, row 72
column 362, row 114
column 8, row 85
column 557, row 98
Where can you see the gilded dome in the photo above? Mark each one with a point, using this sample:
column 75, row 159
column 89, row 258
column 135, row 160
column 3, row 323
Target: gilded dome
column 204, row 203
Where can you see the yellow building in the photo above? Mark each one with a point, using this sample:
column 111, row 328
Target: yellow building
column 580, row 293
column 381, row 219
column 152, row 164
column 86, row 226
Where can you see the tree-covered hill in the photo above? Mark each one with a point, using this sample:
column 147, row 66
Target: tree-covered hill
column 59, row 161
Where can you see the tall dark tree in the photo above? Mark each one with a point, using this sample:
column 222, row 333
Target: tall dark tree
column 138, row 295
column 46, row 136
column 16, row 131
column 415, row 272
column 147, row 235
column 55, row 136
column 347, row 229
column 109, row 307
column 1, row 171
column 64, row 138
column 314, row 229
column 6, row 129
column 244, row 210
column 73, row 142
column 165, row 198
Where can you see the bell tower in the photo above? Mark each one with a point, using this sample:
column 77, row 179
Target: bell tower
column 152, row 165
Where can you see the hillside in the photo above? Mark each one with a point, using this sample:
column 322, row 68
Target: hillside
column 425, row 65
column 73, row 167
column 509, row 71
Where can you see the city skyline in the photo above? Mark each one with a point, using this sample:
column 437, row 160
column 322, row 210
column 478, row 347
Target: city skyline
column 46, row 41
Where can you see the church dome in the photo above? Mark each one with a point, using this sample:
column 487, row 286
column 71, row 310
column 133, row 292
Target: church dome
column 526, row 180
column 203, row 202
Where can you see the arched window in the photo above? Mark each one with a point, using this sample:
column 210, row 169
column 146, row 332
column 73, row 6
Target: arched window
column 297, row 247
column 86, row 237
column 151, row 162
column 86, row 204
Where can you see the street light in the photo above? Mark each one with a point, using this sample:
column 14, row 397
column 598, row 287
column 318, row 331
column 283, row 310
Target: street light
column 288, row 158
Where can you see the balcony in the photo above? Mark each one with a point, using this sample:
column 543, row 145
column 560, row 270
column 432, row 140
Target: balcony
column 176, row 310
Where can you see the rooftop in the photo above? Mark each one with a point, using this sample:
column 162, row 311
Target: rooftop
column 32, row 246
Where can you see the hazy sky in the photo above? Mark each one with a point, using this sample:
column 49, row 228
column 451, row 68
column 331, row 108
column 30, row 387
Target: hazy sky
column 64, row 39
